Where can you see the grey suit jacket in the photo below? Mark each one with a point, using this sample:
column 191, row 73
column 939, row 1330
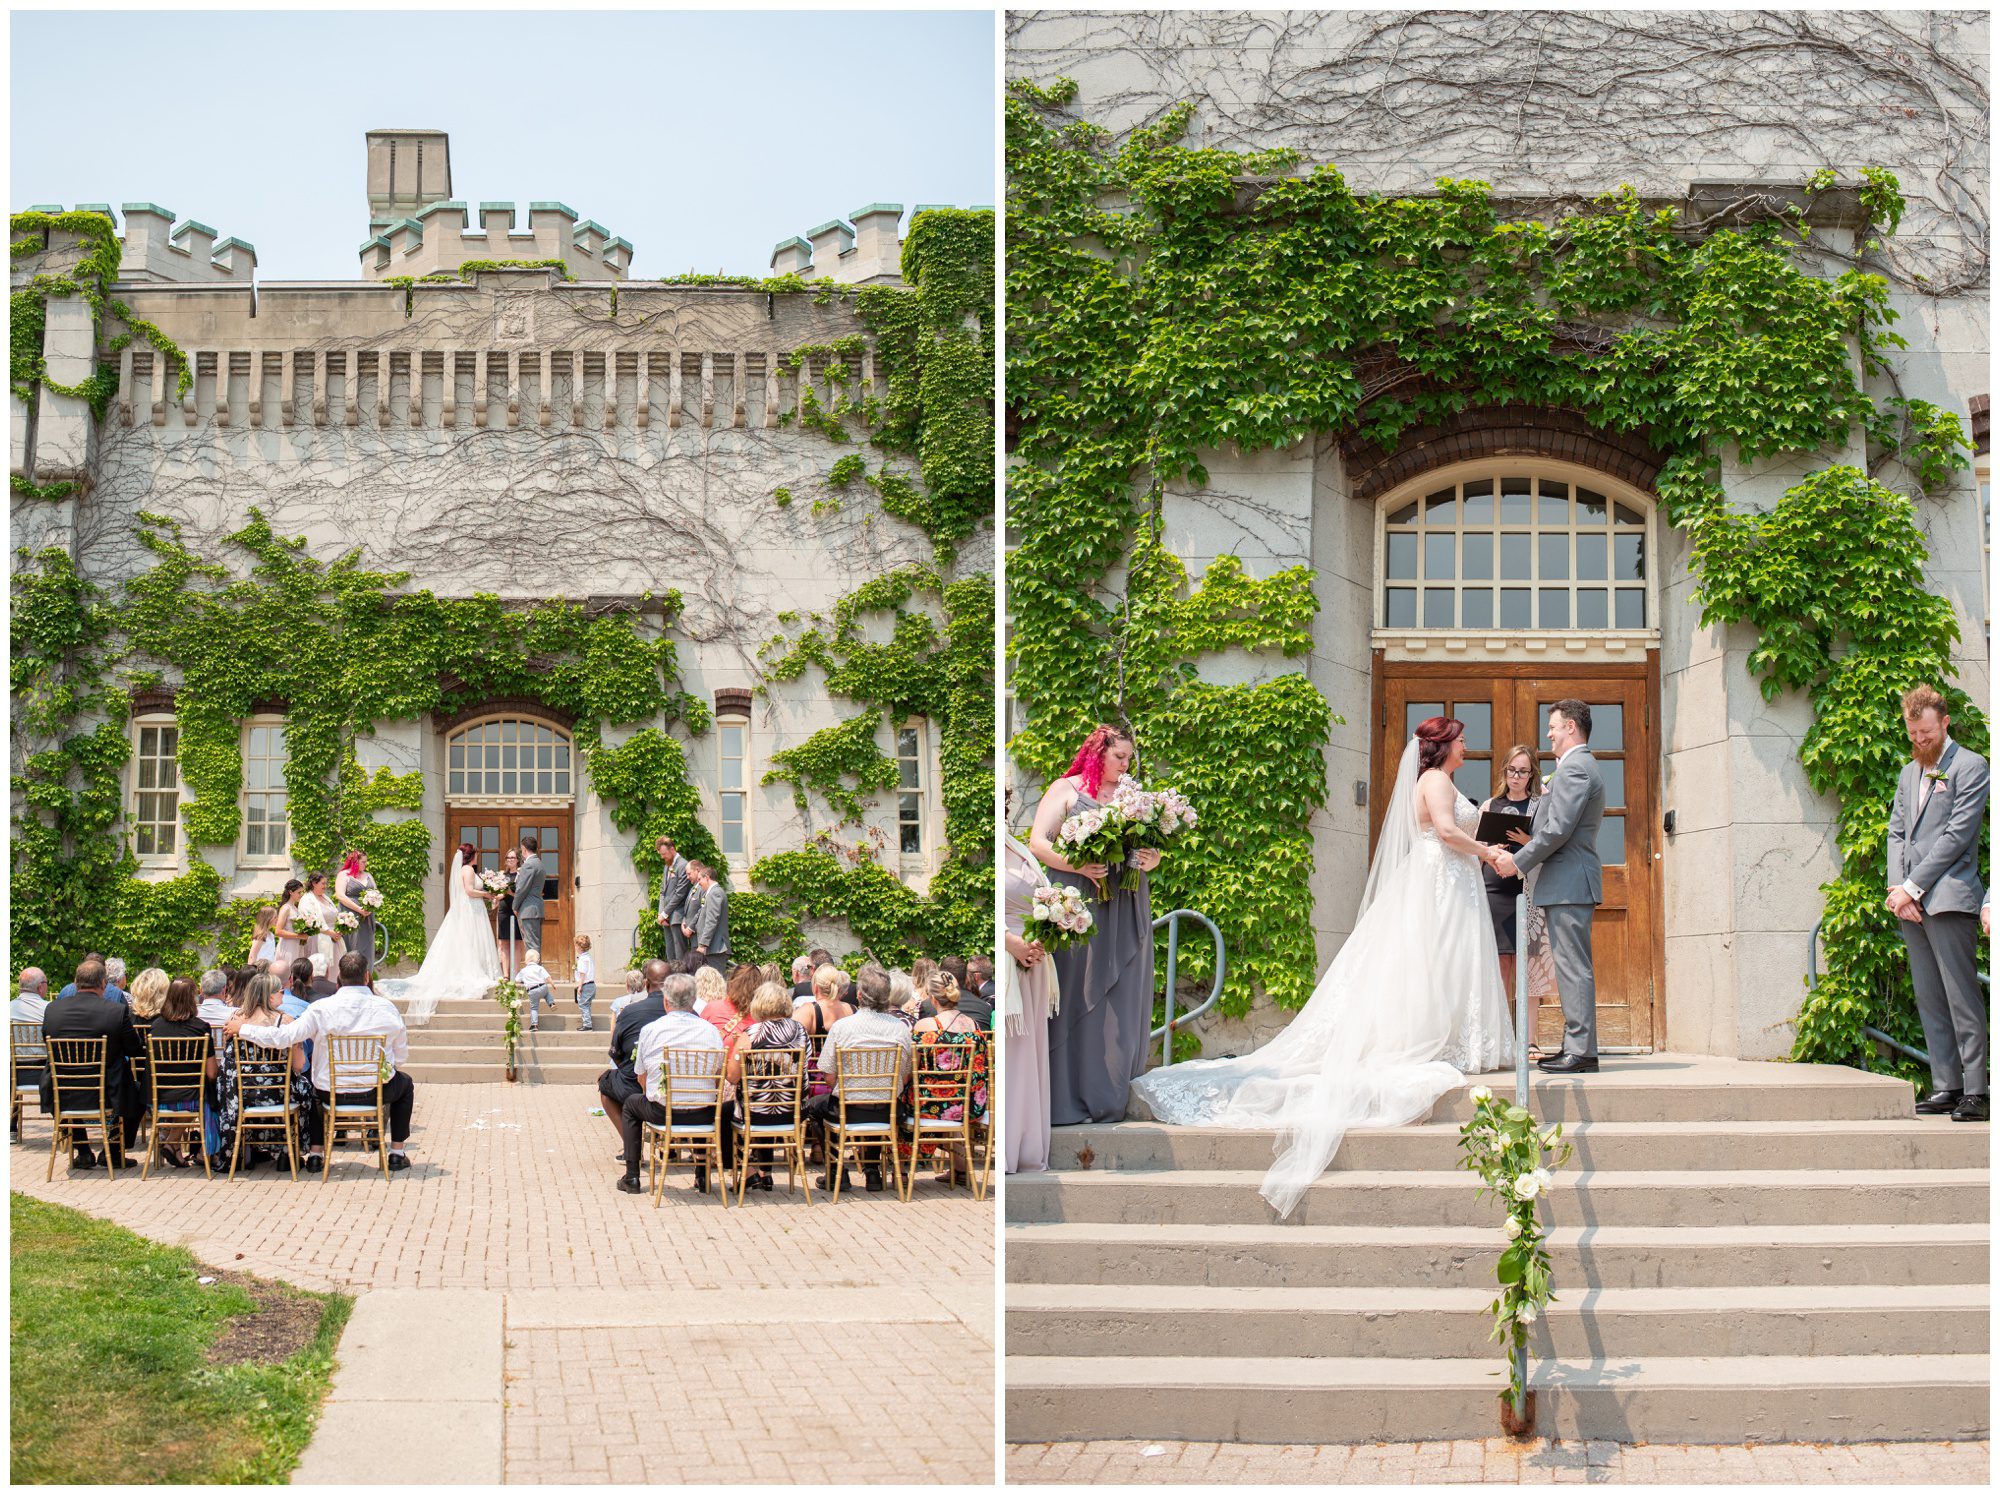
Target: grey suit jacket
column 528, row 889
column 1563, row 839
column 673, row 888
column 711, row 930
column 1937, row 847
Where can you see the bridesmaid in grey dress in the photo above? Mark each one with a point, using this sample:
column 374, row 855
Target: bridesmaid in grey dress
column 1098, row 1040
column 355, row 880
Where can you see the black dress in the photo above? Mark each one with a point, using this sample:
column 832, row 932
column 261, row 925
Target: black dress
column 1502, row 891
column 506, row 926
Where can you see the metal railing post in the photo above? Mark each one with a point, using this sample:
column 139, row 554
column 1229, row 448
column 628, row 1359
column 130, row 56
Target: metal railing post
column 1521, row 1025
column 1173, row 923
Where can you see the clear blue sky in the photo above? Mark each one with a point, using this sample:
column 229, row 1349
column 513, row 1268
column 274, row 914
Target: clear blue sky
column 704, row 138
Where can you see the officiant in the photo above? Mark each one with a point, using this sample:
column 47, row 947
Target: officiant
column 1517, row 795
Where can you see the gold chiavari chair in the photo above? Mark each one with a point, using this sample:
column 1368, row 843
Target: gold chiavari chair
column 357, row 1068
column 27, row 1057
column 943, row 1076
column 869, row 1076
column 987, row 1125
column 260, row 1073
column 690, row 1079
column 76, row 1075
column 176, row 1064
column 773, row 1088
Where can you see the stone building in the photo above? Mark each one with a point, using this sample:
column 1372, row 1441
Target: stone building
column 1715, row 846
column 553, row 430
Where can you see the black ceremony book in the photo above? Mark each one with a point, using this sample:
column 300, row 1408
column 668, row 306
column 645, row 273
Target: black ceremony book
column 1494, row 825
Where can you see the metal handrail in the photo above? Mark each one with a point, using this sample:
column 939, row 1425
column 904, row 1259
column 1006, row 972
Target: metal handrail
column 1521, row 1081
column 1812, row 984
column 1173, row 923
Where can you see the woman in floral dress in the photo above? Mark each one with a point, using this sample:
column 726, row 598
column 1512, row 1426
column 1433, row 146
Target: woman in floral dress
column 262, row 1002
column 951, row 1040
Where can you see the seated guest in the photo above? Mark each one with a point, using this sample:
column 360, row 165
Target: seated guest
column 261, row 1002
column 323, row 973
column 353, row 1011
column 953, row 966
column 769, row 970
column 676, row 1028
column 950, row 1030
column 731, row 1015
column 114, row 978
column 713, row 987
column 86, row 1013
column 904, row 997
column 876, row 1025
column 149, row 989
column 33, row 999
column 635, row 988
column 802, row 980
column 620, row 1083
column 177, row 1019
column 534, row 979
column 298, row 995
column 772, row 1026
column 215, row 1008
column 113, row 990
column 975, row 998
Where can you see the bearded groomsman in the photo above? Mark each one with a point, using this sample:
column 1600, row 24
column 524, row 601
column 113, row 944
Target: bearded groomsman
column 1936, row 896
column 711, row 932
column 673, row 895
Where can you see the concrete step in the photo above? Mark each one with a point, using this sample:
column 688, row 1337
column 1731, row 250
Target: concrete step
column 1738, row 1197
column 1689, row 1087
column 1596, row 1256
column 1114, row 1319
column 1719, row 1399
column 560, row 1020
column 485, row 1072
column 481, row 1006
column 1918, row 1142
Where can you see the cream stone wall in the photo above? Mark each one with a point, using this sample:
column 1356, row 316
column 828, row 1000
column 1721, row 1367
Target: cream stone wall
column 1580, row 104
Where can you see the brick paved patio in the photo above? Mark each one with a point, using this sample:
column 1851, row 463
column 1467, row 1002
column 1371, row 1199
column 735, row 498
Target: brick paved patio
column 721, row 1317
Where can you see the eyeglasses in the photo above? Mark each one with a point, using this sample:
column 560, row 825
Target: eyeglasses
column 1522, row 772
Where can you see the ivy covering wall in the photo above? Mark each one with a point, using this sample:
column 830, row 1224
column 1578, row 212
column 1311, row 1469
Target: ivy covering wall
column 339, row 648
column 1166, row 301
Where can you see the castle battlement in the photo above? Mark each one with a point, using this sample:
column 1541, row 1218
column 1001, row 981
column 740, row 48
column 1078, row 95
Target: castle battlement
column 155, row 250
column 439, row 237
column 866, row 251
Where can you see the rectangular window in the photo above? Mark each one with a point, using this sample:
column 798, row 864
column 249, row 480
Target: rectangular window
column 265, row 829
column 156, row 801
column 910, row 790
column 732, row 784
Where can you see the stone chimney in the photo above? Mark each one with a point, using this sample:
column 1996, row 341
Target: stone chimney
column 408, row 170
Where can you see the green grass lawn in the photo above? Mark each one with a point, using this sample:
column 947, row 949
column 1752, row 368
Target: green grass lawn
column 114, row 1378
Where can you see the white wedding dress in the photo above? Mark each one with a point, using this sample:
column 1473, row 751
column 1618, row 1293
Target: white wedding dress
column 1410, row 1006
column 463, row 961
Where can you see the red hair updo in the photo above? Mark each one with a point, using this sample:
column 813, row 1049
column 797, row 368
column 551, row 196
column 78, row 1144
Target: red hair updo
column 1435, row 735
column 1088, row 764
column 467, row 853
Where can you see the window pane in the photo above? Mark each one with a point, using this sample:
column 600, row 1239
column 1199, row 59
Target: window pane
column 1479, row 503
column 1554, row 551
column 1593, row 608
column 253, row 773
column 1631, row 555
column 545, row 783
column 170, row 773
column 906, row 773
column 1415, row 712
column 545, row 755
column 1405, row 515
column 149, row 771
column 732, row 773
column 1515, row 610
column 1555, row 607
column 1589, row 507
column 457, row 783
column 1590, row 557
column 906, row 742
column 492, row 781
column 732, row 837
column 1402, row 557
column 910, row 839
column 1402, row 607
column 562, row 781
column 562, row 755
column 253, row 841
column 489, row 837
column 167, row 837
column 1476, row 607
column 170, row 741
column 1515, row 557
column 1553, row 508
column 1611, row 840
column 143, row 839
column 1515, row 504
column 1441, row 557
column 1627, row 516
column 1607, row 726
column 1631, row 607
column 1478, row 719
column 510, row 782
column 1478, row 557
column 1612, row 771
column 1474, row 778
column 732, row 741
column 1441, row 507
column 1438, row 609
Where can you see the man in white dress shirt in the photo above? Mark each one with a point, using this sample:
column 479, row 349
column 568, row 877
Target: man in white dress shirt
column 679, row 1028
column 33, row 998
column 353, row 1011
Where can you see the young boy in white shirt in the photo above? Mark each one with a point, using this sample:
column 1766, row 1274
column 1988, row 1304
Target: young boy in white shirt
column 586, row 978
column 535, row 978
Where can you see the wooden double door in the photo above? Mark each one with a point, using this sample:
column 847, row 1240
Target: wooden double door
column 493, row 833
column 1507, row 705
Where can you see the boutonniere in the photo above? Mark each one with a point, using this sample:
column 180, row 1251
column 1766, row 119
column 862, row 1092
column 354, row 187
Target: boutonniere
column 1935, row 775
column 1547, row 779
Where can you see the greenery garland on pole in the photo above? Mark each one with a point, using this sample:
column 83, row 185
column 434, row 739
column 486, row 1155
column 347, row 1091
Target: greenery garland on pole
column 1166, row 301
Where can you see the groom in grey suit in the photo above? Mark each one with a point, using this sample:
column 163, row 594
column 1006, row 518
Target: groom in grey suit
column 528, row 893
column 1936, row 896
column 1571, row 882
column 673, row 894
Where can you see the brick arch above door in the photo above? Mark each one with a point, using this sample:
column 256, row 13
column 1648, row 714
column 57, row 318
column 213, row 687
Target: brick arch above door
column 1499, row 431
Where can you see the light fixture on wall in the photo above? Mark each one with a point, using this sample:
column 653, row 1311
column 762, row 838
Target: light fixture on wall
column 1361, row 791
column 1667, row 822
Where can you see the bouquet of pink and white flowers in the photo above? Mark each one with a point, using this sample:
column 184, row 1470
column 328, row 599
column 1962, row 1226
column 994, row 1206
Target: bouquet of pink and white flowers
column 1153, row 817
column 306, row 921
column 372, row 898
column 1093, row 835
column 496, row 882
column 346, row 919
column 1060, row 917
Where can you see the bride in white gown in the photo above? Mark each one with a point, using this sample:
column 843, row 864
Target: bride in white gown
column 464, row 960
column 1410, row 1005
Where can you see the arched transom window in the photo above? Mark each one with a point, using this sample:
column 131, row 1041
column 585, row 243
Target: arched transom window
column 1517, row 550
column 508, row 758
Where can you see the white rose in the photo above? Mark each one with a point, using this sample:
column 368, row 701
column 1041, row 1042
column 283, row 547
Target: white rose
column 1480, row 1095
column 1513, row 1227
column 1544, row 1180
column 1528, row 1313
column 1527, row 1186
